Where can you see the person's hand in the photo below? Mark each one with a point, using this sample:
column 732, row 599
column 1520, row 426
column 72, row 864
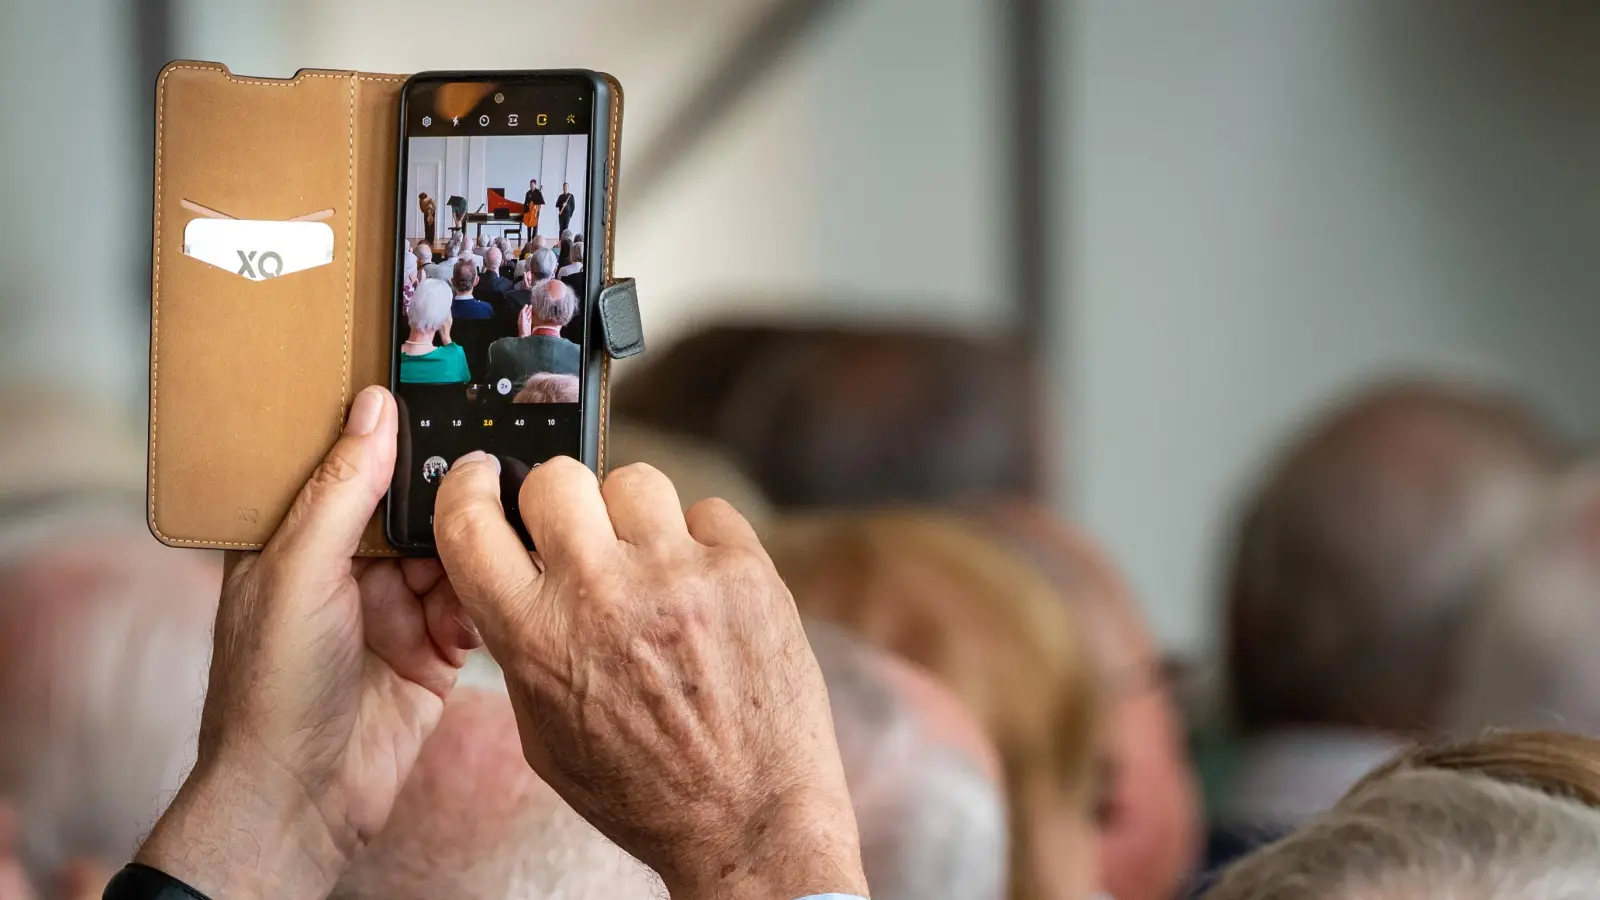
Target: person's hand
column 79, row 879
column 327, row 675
column 660, row 675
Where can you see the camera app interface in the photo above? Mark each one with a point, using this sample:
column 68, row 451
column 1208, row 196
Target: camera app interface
column 491, row 326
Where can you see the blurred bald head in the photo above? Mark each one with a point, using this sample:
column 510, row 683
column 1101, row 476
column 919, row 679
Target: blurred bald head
column 923, row 777
column 1356, row 558
column 475, row 823
column 1529, row 657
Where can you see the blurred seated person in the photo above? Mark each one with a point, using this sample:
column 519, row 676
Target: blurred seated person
column 546, row 387
column 492, row 286
column 924, row 779
column 536, row 270
column 1510, row 816
column 538, row 346
column 825, row 416
column 103, row 648
column 1148, row 824
column 1528, row 658
column 465, row 305
column 935, row 590
column 573, row 266
column 1355, row 562
column 573, row 277
column 411, row 274
column 469, row 250
column 424, row 253
column 420, row 361
column 474, row 822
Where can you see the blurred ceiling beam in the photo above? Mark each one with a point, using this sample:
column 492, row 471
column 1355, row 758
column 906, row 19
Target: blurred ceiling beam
column 768, row 41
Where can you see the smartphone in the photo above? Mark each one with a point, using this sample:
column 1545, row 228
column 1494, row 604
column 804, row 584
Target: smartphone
column 500, row 240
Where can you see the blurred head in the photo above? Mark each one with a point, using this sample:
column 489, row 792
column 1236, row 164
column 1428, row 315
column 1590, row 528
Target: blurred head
column 492, row 258
column 430, row 306
column 1529, row 657
column 422, row 196
column 533, row 182
column 696, row 470
column 424, row 253
column 104, row 646
column 934, row 590
column 566, row 233
column 923, row 779
column 565, row 186
column 824, row 417
column 577, row 252
column 453, row 249
column 464, row 277
column 1509, row 817
column 542, row 264
column 551, row 304
column 412, row 268
column 1356, row 558
column 467, row 243
column 1148, row 810
column 475, row 823
column 546, row 387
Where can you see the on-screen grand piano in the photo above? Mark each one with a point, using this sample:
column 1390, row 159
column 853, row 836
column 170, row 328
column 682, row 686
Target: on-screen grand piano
column 499, row 211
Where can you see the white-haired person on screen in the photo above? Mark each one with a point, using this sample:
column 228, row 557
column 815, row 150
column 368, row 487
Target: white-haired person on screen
column 548, row 387
column 422, row 361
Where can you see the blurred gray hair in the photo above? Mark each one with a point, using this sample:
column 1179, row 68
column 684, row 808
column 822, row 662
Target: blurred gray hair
column 104, row 648
column 413, row 266
column 449, row 838
column 1361, row 554
column 1530, row 657
column 566, row 234
column 430, row 305
column 933, row 827
column 544, row 264
column 552, row 303
column 453, row 249
column 492, row 258
column 1431, row 833
column 424, row 253
column 576, row 253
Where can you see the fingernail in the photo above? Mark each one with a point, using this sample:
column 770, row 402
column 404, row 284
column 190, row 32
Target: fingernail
column 479, row 456
column 467, row 625
column 365, row 411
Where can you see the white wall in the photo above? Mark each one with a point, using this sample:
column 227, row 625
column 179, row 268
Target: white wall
column 1269, row 201
column 67, row 115
column 471, row 165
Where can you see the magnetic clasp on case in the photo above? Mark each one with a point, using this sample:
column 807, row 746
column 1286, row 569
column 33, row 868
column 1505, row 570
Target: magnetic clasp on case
column 619, row 319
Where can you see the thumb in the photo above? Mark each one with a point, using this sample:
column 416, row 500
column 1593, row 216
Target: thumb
column 324, row 526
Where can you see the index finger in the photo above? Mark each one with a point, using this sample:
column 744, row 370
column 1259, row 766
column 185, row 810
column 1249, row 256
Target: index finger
column 566, row 514
column 492, row 574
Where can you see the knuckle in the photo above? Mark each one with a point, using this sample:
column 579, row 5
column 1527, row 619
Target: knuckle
column 336, row 469
column 466, row 522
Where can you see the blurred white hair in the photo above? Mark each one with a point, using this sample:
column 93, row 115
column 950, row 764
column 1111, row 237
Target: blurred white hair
column 1529, row 657
column 430, row 305
column 544, row 264
column 104, row 647
column 576, row 253
column 933, row 826
column 1431, row 833
column 491, row 831
column 492, row 259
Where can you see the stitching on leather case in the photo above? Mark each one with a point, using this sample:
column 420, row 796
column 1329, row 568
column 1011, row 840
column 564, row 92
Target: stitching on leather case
column 611, row 252
column 155, row 277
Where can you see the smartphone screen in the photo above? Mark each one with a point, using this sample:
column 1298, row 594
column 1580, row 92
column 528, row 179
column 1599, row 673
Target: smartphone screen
column 497, row 211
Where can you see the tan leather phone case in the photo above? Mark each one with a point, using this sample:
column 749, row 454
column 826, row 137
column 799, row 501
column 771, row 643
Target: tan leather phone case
column 250, row 379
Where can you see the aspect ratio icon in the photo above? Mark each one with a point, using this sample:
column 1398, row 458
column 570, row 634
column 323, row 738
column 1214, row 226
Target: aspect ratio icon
column 512, row 120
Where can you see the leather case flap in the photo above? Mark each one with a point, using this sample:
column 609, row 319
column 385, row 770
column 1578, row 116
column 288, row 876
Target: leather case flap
column 261, row 332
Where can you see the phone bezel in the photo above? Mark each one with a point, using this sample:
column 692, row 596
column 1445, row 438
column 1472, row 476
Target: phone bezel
column 597, row 237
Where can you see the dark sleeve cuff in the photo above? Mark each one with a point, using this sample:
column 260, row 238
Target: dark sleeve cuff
column 137, row 881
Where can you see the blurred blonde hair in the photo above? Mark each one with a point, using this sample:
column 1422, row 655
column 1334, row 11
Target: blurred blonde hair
column 938, row 592
column 1509, row 816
